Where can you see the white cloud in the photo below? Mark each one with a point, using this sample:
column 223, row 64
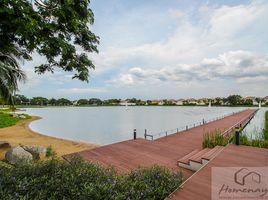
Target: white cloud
column 226, row 21
column 81, row 90
column 175, row 13
column 240, row 66
column 220, row 29
column 199, row 47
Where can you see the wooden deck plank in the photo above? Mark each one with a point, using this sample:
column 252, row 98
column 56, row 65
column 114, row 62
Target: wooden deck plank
column 199, row 186
column 166, row 151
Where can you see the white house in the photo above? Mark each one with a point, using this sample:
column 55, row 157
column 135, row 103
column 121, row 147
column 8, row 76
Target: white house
column 161, row 103
column 179, row 102
column 125, row 103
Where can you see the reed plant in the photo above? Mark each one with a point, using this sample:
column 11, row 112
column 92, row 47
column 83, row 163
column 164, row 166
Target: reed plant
column 214, row 138
column 265, row 130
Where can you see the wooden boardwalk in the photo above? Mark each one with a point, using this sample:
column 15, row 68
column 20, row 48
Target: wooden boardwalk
column 199, row 185
column 166, row 151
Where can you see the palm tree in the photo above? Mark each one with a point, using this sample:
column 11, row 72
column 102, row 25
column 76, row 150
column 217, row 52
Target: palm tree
column 10, row 75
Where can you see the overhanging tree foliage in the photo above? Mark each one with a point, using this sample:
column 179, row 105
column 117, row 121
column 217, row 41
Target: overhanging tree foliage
column 58, row 30
column 10, row 74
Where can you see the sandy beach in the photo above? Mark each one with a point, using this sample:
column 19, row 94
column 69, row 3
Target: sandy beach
column 21, row 134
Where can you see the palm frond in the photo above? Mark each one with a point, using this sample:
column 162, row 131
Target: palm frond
column 10, row 75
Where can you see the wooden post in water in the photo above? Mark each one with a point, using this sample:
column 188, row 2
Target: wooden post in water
column 135, row 134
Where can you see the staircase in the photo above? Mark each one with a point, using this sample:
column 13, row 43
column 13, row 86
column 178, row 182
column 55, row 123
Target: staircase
column 197, row 159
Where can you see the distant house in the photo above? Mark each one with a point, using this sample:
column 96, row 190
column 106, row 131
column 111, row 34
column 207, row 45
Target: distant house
column 203, row 101
column 161, row 103
column 265, row 100
column 192, row 101
column 154, row 102
column 255, row 103
column 126, row 103
column 179, row 102
column 173, row 101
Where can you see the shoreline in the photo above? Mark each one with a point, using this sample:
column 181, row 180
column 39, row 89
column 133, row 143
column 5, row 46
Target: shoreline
column 22, row 134
column 35, row 118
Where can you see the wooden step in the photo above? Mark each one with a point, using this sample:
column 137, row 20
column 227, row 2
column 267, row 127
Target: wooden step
column 185, row 159
column 198, row 156
column 195, row 161
column 184, row 162
column 211, row 154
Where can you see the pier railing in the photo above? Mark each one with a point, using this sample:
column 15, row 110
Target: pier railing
column 153, row 136
column 240, row 125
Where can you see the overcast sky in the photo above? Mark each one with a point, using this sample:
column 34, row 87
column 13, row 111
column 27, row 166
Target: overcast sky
column 169, row 49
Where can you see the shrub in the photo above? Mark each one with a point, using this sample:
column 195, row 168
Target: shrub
column 57, row 179
column 214, row 138
column 50, row 152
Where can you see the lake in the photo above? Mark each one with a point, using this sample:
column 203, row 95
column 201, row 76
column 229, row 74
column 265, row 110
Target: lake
column 106, row 125
column 256, row 125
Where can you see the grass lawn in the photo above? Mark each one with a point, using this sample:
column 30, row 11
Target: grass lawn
column 8, row 120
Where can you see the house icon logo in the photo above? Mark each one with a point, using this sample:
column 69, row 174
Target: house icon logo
column 244, row 175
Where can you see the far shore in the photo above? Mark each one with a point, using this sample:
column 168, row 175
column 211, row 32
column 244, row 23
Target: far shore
column 21, row 134
column 84, row 106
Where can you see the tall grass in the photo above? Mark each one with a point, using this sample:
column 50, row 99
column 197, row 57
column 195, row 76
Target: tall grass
column 214, row 138
column 260, row 139
column 257, row 142
column 265, row 131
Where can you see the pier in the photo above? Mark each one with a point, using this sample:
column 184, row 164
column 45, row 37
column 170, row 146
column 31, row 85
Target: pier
column 165, row 151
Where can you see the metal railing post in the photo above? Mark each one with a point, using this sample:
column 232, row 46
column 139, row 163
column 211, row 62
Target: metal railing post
column 145, row 134
column 135, row 134
column 237, row 137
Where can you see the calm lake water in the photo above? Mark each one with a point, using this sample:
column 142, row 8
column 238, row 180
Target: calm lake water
column 255, row 127
column 106, row 125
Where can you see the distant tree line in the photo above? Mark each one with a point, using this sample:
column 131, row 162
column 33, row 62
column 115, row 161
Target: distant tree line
column 232, row 100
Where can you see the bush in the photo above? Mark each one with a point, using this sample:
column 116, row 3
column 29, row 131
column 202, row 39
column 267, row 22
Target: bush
column 57, row 179
column 215, row 138
column 50, row 152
